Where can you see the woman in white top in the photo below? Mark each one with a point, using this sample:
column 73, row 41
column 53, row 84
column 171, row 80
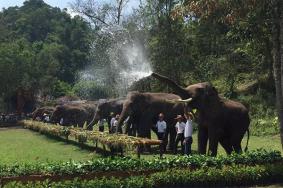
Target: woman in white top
column 180, row 127
column 188, row 134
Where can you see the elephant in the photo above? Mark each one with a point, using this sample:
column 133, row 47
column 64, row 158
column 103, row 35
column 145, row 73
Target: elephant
column 40, row 111
column 143, row 110
column 105, row 108
column 74, row 113
column 219, row 120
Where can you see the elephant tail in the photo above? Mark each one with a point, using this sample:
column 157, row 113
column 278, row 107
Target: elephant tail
column 246, row 148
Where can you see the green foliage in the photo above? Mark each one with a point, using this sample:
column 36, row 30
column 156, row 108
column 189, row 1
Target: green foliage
column 61, row 88
column 41, row 54
column 117, row 164
column 228, row 175
column 264, row 120
column 87, row 89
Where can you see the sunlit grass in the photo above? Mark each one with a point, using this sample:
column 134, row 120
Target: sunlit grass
column 21, row 145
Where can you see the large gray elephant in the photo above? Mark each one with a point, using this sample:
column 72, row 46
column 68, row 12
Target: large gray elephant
column 77, row 113
column 143, row 110
column 220, row 120
column 104, row 108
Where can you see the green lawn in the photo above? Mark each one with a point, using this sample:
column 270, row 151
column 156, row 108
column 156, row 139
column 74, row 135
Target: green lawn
column 21, row 145
column 255, row 142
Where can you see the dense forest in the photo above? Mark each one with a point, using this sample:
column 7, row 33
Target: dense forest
column 47, row 53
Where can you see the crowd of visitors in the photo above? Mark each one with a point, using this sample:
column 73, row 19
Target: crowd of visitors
column 11, row 118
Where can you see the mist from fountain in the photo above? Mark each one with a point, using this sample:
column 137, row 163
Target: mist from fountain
column 127, row 63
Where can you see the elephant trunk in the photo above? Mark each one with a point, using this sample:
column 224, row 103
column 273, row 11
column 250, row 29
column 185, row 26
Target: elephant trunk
column 178, row 89
column 93, row 121
column 122, row 118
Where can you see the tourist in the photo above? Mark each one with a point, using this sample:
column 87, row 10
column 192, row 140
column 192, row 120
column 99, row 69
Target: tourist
column 2, row 117
column 161, row 130
column 101, row 125
column 188, row 140
column 46, row 119
column 112, row 115
column 38, row 118
column 180, row 127
column 61, row 121
column 115, row 124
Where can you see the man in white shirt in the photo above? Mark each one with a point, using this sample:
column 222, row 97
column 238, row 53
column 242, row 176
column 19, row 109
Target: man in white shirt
column 115, row 124
column 161, row 129
column 180, row 127
column 188, row 134
column 112, row 122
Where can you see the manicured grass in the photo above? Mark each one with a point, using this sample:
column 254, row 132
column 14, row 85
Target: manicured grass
column 22, row 145
column 255, row 142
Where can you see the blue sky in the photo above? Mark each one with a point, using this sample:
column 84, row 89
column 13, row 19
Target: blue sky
column 54, row 3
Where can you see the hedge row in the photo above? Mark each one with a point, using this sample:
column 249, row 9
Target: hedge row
column 236, row 175
column 82, row 136
column 130, row 164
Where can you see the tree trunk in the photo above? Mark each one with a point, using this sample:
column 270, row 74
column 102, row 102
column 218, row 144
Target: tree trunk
column 280, row 13
column 277, row 39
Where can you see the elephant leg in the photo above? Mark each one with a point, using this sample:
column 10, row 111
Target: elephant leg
column 172, row 137
column 213, row 138
column 236, row 144
column 128, row 129
column 144, row 127
column 134, row 129
column 225, row 143
column 202, row 139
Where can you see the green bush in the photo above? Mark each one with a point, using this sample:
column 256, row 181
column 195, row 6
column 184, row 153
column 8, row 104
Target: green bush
column 61, row 88
column 226, row 176
column 90, row 90
column 117, row 164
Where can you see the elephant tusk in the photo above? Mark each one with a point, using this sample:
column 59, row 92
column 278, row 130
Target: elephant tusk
column 179, row 100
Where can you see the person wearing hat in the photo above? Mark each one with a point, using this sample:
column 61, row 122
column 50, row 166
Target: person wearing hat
column 46, row 118
column 188, row 132
column 161, row 129
column 180, row 128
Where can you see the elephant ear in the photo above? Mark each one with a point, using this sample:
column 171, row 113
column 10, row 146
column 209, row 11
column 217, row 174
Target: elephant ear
column 210, row 90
